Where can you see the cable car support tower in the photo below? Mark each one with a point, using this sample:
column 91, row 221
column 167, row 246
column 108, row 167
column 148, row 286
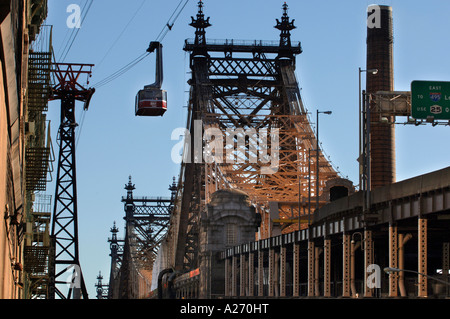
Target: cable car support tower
column 64, row 265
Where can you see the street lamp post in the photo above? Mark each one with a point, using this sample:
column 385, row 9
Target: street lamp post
column 371, row 71
column 317, row 156
column 309, row 187
column 389, row 270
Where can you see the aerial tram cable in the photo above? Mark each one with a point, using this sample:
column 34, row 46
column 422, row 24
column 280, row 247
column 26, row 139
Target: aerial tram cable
column 167, row 27
column 75, row 31
column 121, row 71
column 122, row 32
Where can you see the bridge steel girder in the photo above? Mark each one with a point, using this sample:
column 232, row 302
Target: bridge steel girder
column 422, row 230
column 393, row 260
column 346, row 267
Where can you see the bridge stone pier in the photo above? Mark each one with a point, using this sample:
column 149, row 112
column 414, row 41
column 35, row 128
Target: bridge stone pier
column 229, row 220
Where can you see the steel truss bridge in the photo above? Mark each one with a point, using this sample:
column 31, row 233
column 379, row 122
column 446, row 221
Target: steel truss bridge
column 244, row 93
column 248, row 129
column 132, row 258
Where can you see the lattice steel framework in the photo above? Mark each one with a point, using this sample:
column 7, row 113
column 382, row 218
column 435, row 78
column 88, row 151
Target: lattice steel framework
column 65, row 262
column 244, row 93
column 116, row 246
column 146, row 220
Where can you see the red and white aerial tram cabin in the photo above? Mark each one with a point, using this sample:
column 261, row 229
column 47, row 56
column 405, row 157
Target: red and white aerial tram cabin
column 152, row 100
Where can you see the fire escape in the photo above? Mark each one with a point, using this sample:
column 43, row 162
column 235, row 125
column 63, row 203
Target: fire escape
column 38, row 162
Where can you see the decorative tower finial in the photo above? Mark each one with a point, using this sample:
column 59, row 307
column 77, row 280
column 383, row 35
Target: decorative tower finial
column 130, row 187
column 200, row 24
column 173, row 189
column 114, row 230
column 285, row 26
column 129, row 205
column 99, row 285
column 113, row 240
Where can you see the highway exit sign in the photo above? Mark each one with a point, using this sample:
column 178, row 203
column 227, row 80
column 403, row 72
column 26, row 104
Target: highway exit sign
column 430, row 99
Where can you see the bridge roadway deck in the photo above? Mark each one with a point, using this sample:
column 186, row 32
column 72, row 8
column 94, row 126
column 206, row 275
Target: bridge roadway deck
column 422, row 195
column 324, row 260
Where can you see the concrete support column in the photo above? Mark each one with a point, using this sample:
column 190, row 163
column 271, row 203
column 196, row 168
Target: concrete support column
column 260, row 273
column 445, row 263
column 422, row 254
column 296, row 270
column 393, row 260
column 227, row 277
column 354, row 246
column 346, row 265
column 234, row 273
column 271, row 271
column 251, row 274
column 243, row 289
column 327, row 268
column 368, row 260
column 402, row 239
column 317, row 271
column 276, row 272
column 283, row 271
column 445, row 258
column 311, row 251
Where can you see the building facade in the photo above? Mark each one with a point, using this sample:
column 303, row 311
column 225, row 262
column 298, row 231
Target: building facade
column 24, row 148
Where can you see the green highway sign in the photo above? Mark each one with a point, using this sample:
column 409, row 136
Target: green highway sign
column 430, row 99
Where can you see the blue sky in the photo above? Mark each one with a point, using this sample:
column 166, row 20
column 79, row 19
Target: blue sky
column 114, row 144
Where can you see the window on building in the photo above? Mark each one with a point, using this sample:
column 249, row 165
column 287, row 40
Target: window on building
column 231, row 239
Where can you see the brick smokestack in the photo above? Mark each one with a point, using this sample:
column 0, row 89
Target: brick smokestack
column 380, row 41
